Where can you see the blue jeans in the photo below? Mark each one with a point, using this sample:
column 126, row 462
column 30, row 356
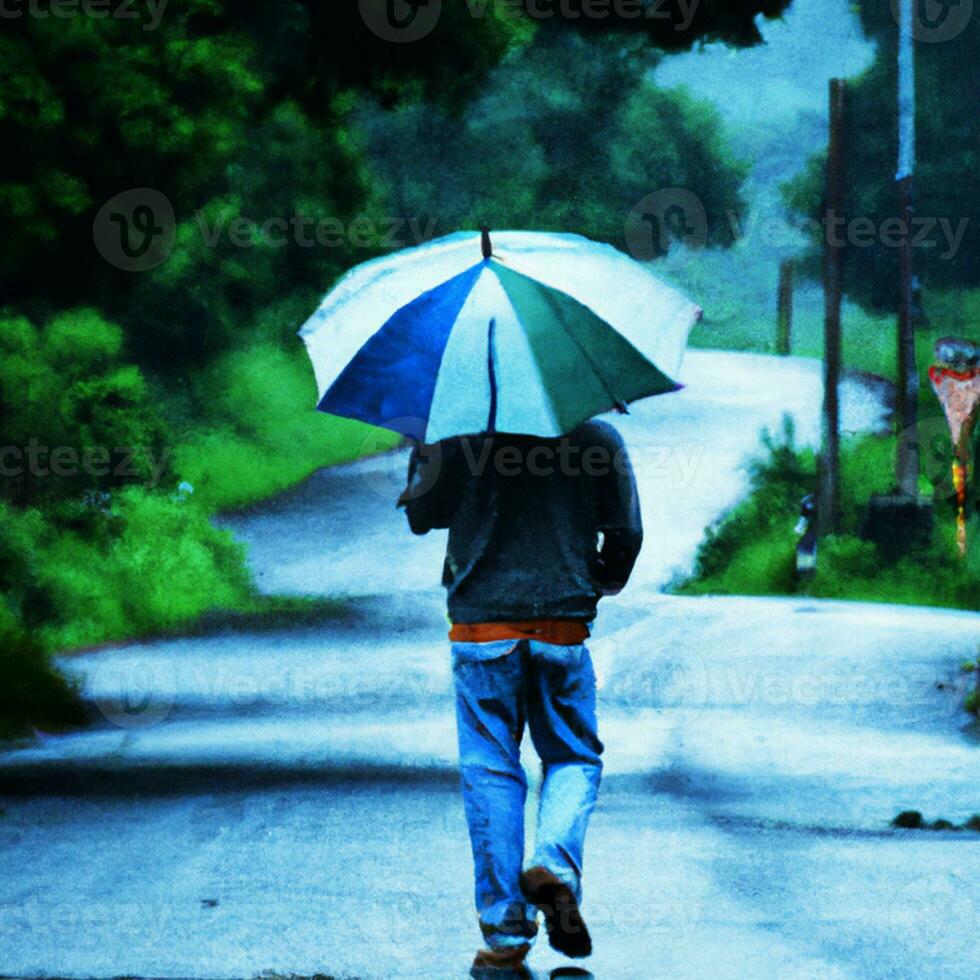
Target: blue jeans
column 498, row 686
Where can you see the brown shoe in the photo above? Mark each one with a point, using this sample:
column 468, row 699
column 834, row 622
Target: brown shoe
column 501, row 963
column 563, row 920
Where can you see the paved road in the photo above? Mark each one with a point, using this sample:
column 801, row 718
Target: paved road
column 286, row 800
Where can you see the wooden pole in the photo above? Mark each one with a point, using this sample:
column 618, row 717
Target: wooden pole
column 828, row 510
column 784, row 332
column 906, row 415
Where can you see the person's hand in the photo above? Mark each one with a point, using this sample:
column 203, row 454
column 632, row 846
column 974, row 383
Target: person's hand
column 613, row 561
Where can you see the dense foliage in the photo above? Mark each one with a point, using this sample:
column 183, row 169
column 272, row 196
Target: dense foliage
column 946, row 235
column 178, row 190
column 751, row 550
column 540, row 148
column 230, row 112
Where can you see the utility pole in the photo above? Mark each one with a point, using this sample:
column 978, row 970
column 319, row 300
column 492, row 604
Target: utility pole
column 906, row 416
column 828, row 509
column 900, row 520
column 784, row 330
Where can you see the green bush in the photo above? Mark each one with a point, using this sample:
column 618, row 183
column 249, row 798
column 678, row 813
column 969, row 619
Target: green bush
column 68, row 396
column 99, row 555
column 32, row 693
column 160, row 564
column 751, row 550
column 763, row 565
column 139, row 562
column 261, row 432
column 745, row 550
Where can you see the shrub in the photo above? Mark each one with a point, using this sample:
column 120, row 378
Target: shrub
column 158, row 564
column 751, row 550
column 66, row 389
column 735, row 555
column 32, row 693
column 262, row 433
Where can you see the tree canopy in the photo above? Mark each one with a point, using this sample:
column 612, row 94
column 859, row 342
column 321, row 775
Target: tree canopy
column 946, row 235
column 544, row 149
column 232, row 114
column 179, row 189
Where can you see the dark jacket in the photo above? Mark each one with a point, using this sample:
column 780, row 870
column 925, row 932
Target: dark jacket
column 526, row 517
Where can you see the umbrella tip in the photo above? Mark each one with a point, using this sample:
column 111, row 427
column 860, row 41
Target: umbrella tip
column 485, row 243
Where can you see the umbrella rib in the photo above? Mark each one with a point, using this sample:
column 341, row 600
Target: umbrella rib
column 492, row 373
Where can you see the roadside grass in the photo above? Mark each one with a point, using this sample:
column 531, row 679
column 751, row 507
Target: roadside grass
column 144, row 561
column 751, row 549
column 81, row 575
column 252, row 431
column 156, row 568
column 102, row 599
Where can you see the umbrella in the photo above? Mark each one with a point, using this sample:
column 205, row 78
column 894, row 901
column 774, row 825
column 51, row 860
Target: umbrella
column 529, row 333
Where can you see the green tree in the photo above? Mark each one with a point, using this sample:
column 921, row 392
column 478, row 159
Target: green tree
column 547, row 149
column 243, row 116
column 947, row 172
column 233, row 109
column 76, row 415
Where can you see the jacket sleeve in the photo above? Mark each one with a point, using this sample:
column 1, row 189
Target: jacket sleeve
column 619, row 521
column 431, row 494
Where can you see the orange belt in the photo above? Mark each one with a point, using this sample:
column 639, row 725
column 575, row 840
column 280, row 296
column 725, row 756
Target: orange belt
column 561, row 632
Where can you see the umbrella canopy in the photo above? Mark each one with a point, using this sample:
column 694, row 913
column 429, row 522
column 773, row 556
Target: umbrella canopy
column 531, row 334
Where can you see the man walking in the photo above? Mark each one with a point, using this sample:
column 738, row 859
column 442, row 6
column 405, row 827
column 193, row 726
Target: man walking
column 539, row 530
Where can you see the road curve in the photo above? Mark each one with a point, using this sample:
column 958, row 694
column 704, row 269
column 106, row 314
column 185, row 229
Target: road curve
column 286, row 800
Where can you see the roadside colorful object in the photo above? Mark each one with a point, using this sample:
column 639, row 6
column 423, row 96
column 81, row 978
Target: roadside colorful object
column 956, row 381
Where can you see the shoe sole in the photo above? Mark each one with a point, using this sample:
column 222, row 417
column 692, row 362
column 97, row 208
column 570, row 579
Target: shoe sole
column 567, row 931
column 501, row 966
